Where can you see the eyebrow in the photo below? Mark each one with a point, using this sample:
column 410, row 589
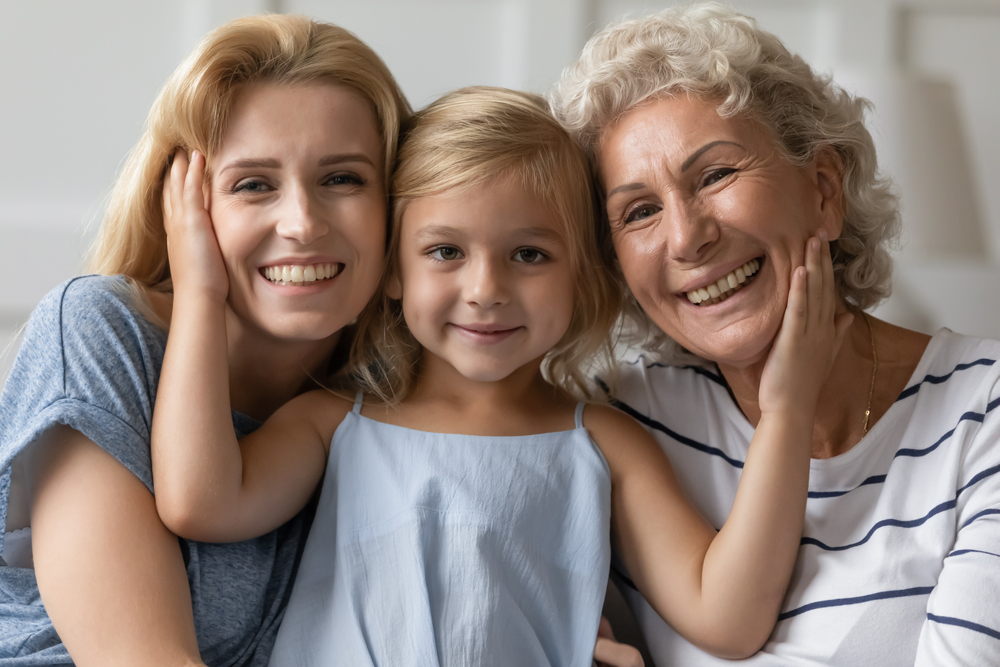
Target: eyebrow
column 446, row 232
column 684, row 167
column 271, row 163
column 697, row 154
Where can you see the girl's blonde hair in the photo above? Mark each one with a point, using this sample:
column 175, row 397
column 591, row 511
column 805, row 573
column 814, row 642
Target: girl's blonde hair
column 710, row 51
column 192, row 112
column 480, row 135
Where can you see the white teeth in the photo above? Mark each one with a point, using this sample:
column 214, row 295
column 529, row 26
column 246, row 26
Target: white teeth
column 725, row 286
column 298, row 274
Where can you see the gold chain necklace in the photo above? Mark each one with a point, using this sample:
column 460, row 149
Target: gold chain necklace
column 871, row 389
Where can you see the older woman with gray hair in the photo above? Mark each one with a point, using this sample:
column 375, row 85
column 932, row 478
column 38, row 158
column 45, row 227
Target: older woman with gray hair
column 718, row 154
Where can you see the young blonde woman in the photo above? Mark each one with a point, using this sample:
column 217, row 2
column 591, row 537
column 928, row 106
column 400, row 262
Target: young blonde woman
column 90, row 574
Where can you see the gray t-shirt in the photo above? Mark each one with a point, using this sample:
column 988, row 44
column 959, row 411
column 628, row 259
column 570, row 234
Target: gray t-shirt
column 91, row 361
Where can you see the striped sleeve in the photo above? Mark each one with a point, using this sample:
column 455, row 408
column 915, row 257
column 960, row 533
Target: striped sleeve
column 963, row 613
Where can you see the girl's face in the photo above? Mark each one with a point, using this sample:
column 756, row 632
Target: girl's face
column 298, row 203
column 485, row 279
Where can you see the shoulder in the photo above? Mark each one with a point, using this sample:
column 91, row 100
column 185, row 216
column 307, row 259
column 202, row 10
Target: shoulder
column 954, row 365
column 617, row 435
column 321, row 409
column 647, row 388
column 89, row 360
column 87, row 310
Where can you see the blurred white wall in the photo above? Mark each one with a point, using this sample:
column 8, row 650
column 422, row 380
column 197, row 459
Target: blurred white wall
column 76, row 80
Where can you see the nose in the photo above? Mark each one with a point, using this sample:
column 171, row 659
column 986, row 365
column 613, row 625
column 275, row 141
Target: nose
column 300, row 217
column 485, row 283
column 688, row 230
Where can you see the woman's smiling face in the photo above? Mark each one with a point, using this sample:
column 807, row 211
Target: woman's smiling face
column 298, row 204
column 699, row 204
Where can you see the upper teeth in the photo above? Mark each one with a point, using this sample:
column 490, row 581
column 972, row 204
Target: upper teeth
column 724, row 285
column 300, row 273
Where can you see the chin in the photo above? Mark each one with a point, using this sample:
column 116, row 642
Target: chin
column 739, row 345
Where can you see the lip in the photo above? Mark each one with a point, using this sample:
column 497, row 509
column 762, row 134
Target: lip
column 301, row 261
column 714, row 275
column 485, row 333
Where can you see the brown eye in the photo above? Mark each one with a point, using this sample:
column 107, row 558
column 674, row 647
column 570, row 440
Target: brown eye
column 446, row 253
column 715, row 176
column 640, row 213
column 529, row 255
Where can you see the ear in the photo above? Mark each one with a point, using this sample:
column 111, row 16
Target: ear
column 394, row 286
column 828, row 172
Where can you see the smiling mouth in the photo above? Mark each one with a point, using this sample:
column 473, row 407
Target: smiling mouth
column 487, row 333
column 726, row 286
column 300, row 274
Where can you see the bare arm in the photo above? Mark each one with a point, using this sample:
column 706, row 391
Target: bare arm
column 209, row 487
column 723, row 591
column 110, row 574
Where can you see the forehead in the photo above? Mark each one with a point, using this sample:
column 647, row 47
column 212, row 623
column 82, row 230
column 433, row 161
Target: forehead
column 493, row 209
column 277, row 119
column 668, row 131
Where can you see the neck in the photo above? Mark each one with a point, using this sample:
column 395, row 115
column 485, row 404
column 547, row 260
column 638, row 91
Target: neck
column 266, row 372
column 843, row 398
column 521, row 403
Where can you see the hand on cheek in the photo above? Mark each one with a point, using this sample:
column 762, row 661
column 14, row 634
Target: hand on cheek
column 196, row 264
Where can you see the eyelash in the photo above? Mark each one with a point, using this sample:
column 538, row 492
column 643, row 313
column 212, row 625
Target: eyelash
column 716, row 175
column 711, row 178
column 341, row 179
column 630, row 215
column 435, row 254
column 539, row 256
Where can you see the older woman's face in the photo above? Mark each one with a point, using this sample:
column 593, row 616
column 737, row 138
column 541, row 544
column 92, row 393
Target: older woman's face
column 694, row 199
column 298, row 204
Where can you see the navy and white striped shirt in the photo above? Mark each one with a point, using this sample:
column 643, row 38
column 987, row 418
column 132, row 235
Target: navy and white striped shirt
column 900, row 559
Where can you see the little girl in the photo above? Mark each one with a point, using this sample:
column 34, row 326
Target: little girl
column 465, row 511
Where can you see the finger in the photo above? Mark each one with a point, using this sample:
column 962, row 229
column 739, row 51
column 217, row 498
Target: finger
column 796, row 309
column 613, row 654
column 815, row 283
column 193, row 194
column 605, row 630
column 173, row 185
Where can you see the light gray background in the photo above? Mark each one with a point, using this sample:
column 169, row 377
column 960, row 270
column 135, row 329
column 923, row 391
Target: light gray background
column 77, row 78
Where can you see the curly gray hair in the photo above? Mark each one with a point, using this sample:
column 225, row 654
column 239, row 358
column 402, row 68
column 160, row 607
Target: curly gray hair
column 712, row 52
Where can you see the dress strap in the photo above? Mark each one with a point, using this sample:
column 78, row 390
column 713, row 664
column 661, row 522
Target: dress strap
column 357, row 402
column 579, row 414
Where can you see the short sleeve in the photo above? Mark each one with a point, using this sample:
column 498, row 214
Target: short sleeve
column 89, row 361
column 963, row 612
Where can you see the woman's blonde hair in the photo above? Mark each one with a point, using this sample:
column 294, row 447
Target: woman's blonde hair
column 710, row 51
column 481, row 135
column 192, row 112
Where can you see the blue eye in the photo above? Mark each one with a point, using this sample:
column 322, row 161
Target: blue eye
column 529, row 255
column 446, row 253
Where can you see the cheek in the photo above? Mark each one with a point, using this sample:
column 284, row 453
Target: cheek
column 235, row 235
